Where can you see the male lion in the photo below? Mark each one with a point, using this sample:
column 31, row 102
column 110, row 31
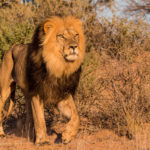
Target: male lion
column 47, row 71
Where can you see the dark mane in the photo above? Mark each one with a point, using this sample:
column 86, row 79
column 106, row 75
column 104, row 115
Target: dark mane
column 37, row 37
column 41, row 81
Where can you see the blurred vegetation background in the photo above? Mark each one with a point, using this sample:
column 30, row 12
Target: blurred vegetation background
column 19, row 18
column 114, row 91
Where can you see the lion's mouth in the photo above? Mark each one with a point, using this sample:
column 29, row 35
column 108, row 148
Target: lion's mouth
column 72, row 56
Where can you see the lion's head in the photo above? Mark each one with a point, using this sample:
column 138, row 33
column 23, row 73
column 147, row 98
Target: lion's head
column 63, row 45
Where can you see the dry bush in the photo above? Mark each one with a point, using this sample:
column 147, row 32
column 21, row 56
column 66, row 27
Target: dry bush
column 115, row 94
column 18, row 21
column 16, row 26
column 119, row 38
column 114, row 88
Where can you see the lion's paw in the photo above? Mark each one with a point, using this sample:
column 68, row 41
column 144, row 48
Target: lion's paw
column 2, row 134
column 42, row 141
column 67, row 137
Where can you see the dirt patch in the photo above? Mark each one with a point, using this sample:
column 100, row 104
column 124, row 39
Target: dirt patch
column 100, row 140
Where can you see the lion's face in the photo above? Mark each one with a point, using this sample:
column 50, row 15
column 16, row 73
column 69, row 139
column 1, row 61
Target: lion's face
column 63, row 45
column 68, row 42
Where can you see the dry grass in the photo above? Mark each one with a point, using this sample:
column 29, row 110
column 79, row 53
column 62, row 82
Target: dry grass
column 114, row 94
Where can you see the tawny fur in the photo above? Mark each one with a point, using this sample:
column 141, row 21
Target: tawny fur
column 47, row 70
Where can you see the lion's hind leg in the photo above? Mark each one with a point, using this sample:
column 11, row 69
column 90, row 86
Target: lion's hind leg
column 68, row 109
column 5, row 83
column 4, row 95
column 12, row 99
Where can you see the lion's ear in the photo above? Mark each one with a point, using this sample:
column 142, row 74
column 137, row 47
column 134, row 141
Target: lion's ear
column 47, row 27
column 79, row 22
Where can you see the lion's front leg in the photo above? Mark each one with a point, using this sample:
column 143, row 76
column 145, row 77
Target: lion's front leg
column 67, row 108
column 39, row 121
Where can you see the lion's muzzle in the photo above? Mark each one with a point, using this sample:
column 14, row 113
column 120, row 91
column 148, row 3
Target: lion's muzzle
column 71, row 54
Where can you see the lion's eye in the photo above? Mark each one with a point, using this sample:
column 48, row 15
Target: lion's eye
column 60, row 36
column 76, row 36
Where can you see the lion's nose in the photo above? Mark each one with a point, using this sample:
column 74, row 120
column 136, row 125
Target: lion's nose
column 73, row 47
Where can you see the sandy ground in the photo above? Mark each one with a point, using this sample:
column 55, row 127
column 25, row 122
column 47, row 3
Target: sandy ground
column 100, row 140
column 103, row 140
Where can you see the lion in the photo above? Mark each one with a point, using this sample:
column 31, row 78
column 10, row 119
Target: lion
column 48, row 71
